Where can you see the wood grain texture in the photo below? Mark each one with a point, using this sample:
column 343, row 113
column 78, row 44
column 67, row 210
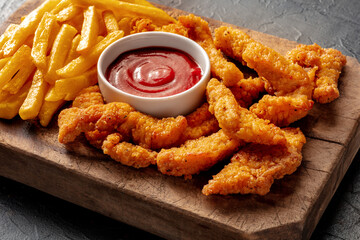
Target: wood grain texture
column 175, row 208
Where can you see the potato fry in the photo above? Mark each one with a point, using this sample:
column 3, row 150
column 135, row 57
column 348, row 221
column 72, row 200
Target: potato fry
column 60, row 6
column 41, row 40
column 72, row 52
column 89, row 31
column 84, row 62
column 47, row 111
column 26, row 28
column 14, row 85
column 12, row 67
column 68, row 88
column 76, row 22
column 110, row 21
column 33, row 101
column 7, row 34
column 10, row 107
column 126, row 9
column 68, row 13
column 3, row 61
column 140, row 2
column 59, row 51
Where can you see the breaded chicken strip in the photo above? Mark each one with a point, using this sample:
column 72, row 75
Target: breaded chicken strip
column 87, row 97
column 283, row 75
column 153, row 133
column 127, row 153
column 199, row 31
column 283, row 78
column 254, row 168
column 103, row 117
column 239, row 122
column 247, row 90
column 200, row 123
column 329, row 63
column 282, row 110
column 196, row 155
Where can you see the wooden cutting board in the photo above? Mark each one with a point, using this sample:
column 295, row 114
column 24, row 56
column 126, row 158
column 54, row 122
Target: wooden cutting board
column 174, row 208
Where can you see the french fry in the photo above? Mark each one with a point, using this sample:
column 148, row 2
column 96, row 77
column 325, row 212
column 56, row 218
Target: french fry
column 140, row 2
column 68, row 88
column 47, row 111
column 33, row 101
column 125, row 9
column 21, row 56
column 72, row 52
column 76, row 22
column 9, row 108
column 59, row 51
column 26, row 28
column 3, row 61
column 89, row 31
column 110, row 21
column 41, row 40
column 84, row 62
column 7, row 34
column 14, row 85
column 68, row 13
column 60, row 6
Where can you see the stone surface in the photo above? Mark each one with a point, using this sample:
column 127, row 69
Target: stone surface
column 26, row 213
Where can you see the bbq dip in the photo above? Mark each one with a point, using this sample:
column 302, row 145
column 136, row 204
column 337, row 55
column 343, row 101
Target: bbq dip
column 154, row 72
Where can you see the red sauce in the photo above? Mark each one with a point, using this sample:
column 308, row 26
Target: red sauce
column 154, row 72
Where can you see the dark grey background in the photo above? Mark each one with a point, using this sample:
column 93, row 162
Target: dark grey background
column 26, row 213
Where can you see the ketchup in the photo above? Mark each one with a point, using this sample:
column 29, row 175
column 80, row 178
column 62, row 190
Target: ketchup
column 154, row 72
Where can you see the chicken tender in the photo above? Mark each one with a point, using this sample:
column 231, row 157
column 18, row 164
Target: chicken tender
column 254, row 168
column 239, row 122
column 127, row 153
column 196, row 155
column 87, row 97
column 153, row 133
column 247, row 90
column 329, row 63
column 282, row 110
column 221, row 68
column 103, row 117
column 200, row 123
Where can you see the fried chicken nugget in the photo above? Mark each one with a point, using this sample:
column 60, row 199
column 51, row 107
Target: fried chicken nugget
column 153, row 133
column 329, row 63
column 196, row 155
column 254, row 168
column 221, row 68
column 87, row 97
column 146, row 25
column 127, row 153
column 239, row 122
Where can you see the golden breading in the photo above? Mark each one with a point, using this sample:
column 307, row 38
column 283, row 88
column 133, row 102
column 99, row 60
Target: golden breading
column 329, row 63
column 196, row 155
column 127, row 153
column 153, row 133
column 103, row 117
column 200, row 123
column 87, row 97
column 239, row 122
column 247, row 90
column 254, row 168
column 282, row 110
column 200, row 32
column 283, row 75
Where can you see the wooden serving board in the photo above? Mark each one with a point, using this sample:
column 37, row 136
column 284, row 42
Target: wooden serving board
column 174, row 208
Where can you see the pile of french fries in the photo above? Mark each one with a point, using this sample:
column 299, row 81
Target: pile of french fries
column 52, row 54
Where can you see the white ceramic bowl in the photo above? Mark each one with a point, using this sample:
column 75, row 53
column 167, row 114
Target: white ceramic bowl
column 170, row 106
